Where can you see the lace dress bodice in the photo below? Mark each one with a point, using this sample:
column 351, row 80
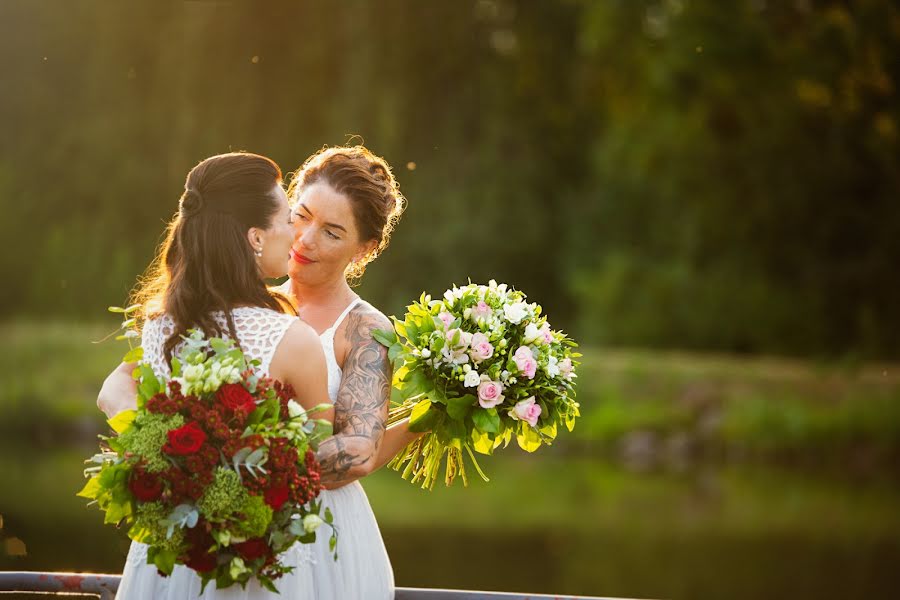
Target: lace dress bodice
column 259, row 330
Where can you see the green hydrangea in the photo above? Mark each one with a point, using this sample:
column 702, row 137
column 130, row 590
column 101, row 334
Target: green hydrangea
column 148, row 437
column 257, row 516
column 224, row 496
column 148, row 527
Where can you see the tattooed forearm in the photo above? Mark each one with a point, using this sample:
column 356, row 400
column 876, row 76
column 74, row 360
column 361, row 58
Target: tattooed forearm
column 362, row 403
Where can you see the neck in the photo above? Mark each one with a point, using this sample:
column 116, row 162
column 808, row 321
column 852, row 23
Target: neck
column 326, row 294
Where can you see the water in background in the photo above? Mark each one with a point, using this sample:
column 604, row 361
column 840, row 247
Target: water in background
column 553, row 524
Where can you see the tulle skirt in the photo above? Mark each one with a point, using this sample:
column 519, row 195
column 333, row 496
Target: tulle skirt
column 362, row 570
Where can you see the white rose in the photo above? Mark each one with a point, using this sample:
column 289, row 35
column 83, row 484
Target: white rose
column 515, row 312
column 531, row 333
column 472, row 379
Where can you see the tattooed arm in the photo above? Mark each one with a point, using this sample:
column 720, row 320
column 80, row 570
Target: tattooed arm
column 361, row 407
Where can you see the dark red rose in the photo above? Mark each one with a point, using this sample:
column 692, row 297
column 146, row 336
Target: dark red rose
column 146, row 487
column 236, row 398
column 276, row 496
column 252, row 549
column 185, row 440
column 200, row 560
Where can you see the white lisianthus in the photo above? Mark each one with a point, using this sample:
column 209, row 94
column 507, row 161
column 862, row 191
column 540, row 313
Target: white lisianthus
column 192, row 373
column 311, row 522
column 295, row 410
column 472, row 379
column 515, row 312
column 237, row 567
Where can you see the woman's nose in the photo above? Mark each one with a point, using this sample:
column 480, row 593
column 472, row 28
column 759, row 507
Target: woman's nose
column 306, row 236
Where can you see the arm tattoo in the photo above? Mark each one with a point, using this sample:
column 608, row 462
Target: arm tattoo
column 360, row 411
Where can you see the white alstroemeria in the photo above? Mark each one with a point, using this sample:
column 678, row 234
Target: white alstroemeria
column 552, row 366
column 472, row 379
column 454, row 356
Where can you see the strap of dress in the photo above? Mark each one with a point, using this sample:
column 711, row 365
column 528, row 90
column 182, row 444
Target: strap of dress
column 344, row 314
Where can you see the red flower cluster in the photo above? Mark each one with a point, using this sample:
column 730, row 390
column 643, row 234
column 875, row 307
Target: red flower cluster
column 211, row 436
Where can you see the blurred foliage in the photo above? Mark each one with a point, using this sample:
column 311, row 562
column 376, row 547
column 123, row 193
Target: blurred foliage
column 676, row 173
column 645, row 407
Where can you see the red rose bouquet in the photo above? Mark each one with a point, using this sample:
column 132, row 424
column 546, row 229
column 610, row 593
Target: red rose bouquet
column 215, row 469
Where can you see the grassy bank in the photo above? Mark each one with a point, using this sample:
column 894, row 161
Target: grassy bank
column 643, row 405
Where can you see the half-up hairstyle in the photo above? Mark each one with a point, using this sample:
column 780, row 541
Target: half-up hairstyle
column 366, row 180
column 206, row 263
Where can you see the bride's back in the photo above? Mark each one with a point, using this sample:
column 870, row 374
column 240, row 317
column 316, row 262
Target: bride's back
column 259, row 331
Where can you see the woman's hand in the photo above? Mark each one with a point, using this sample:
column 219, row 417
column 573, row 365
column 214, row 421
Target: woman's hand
column 119, row 391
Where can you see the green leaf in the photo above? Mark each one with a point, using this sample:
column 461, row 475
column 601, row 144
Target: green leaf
column 385, row 337
column 424, row 417
column 91, row 489
column 134, row 355
column 458, row 408
column 456, row 431
column 528, row 438
column 163, row 559
column 486, row 419
column 122, row 420
column 482, row 442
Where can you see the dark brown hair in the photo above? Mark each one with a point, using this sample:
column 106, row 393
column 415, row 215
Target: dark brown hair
column 206, row 263
column 365, row 179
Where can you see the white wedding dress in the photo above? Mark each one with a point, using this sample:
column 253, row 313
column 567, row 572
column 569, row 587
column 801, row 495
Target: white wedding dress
column 362, row 571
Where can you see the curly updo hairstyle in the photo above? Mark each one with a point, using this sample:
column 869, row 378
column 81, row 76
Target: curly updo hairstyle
column 366, row 180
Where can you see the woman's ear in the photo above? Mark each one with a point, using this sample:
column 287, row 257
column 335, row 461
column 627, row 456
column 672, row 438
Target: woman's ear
column 256, row 238
column 365, row 250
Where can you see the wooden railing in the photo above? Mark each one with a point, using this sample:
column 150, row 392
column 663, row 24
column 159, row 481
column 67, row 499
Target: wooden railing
column 105, row 586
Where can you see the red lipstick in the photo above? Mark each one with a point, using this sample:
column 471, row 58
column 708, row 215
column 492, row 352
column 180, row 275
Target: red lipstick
column 300, row 258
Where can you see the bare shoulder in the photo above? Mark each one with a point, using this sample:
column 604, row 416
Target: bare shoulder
column 298, row 340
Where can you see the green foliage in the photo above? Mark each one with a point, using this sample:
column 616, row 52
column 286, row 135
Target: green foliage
column 225, row 496
column 147, row 436
column 703, row 174
column 257, row 516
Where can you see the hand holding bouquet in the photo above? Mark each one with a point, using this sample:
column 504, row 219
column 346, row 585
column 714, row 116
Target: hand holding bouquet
column 475, row 369
column 214, row 470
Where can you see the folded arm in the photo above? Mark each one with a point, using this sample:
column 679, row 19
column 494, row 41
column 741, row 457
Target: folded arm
column 361, row 406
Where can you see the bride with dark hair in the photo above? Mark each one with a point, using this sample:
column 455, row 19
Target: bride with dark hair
column 345, row 204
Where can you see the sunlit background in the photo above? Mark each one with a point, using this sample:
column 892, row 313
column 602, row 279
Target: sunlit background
column 705, row 194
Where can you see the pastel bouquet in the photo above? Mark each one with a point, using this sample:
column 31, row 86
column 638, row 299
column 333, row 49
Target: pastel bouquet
column 475, row 369
column 215, row 469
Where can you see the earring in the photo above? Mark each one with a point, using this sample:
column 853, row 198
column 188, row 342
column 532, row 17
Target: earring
column 258, row 252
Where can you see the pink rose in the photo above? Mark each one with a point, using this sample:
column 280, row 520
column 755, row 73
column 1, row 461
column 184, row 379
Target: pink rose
column 490, row 393
column 481, row 310
column 446, row 318
column 525, row 361
column 546, row 335
column 526, row 410
column 481, row 348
